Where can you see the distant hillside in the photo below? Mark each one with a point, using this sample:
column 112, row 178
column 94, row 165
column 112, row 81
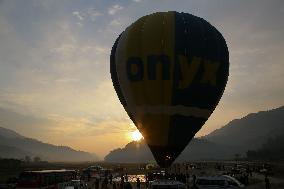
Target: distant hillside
column 238, row 136
column 133, row 152
column 251, row 131
column 13, row 152
column 198, row 149
column 202, row 149
column 272, row 149
column 9, row 133
column 14, row 145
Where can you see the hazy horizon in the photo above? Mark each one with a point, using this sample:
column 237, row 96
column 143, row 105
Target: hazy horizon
column 55, row 84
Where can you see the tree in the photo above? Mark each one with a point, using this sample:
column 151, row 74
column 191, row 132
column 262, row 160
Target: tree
column 37, row 159
column 28, row 159
column 237, row 156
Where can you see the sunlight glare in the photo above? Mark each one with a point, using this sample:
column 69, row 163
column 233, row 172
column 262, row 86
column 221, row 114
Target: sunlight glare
column 136, row 135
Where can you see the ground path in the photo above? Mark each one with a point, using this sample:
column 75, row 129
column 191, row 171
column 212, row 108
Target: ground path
column 276, row 183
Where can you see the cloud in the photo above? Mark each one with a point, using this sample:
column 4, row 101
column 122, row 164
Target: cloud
column 89, row 13
column 114, row 9
column 66, row 80
column 93, row 14
column 26, row 124
column 78, row 15
column 114, row 22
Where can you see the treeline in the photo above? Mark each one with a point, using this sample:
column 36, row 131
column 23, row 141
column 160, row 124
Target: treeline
column 10, row 168
column 272, row 149
column 11, row 162
column 8, row 163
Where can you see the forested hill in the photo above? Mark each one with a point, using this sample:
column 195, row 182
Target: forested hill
column 251, row 131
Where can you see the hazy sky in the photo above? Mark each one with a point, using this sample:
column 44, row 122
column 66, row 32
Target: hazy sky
column 54, row 65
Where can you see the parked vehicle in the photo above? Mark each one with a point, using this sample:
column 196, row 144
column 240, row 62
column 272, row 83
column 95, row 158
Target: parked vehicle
column 166, row 184
column 216, row 182
column 48, row 179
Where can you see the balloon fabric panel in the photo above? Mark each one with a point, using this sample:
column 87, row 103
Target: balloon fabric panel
column 169, row 70
column 140, row 44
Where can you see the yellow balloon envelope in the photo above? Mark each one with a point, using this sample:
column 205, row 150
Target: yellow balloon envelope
column 169, row 70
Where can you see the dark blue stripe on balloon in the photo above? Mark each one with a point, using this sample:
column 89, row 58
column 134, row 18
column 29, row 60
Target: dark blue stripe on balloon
column 194, row 37
column 197, row 38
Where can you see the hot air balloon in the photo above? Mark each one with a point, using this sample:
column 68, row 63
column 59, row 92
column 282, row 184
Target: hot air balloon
column 169, row 71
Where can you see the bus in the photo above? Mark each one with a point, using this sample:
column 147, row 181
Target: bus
column 46, row 179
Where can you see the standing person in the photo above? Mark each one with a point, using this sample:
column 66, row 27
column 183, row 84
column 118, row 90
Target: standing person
column 138, row 183
column 89, row 176
column 147, row 180
column 97, row 183
column 246, row 179
column 126, row 177
column 127, row 185
column 121, row 182
column 187, row 180
column 267, row 182
column 110, row 178
column 104, row 184
column 147, row 184
column 194, row 182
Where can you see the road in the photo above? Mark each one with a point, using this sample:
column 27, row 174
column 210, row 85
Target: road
column 276, row 183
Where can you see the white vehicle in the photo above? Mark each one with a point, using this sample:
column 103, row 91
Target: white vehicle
column 216, row 182
column 166, row 184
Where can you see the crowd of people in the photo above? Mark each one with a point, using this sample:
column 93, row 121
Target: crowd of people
column 107, row 183
column 128, row 182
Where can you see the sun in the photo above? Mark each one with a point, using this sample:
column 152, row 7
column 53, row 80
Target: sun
column 136, row 135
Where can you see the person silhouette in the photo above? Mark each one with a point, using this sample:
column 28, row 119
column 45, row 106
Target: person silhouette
column 138, row 183
column 121, row 182
column 267, row 182
column 194, row 182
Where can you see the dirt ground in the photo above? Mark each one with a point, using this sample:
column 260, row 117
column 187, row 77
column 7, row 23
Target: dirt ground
column 275, row 183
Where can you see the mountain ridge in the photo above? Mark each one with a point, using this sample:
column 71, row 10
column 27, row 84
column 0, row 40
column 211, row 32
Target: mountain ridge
column 9, row 133
column 236, row 137
column 13, row 143
column 258, row 128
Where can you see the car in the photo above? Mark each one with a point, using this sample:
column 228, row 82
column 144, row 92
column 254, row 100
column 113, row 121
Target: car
column 215, row 182
column 166, row 184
